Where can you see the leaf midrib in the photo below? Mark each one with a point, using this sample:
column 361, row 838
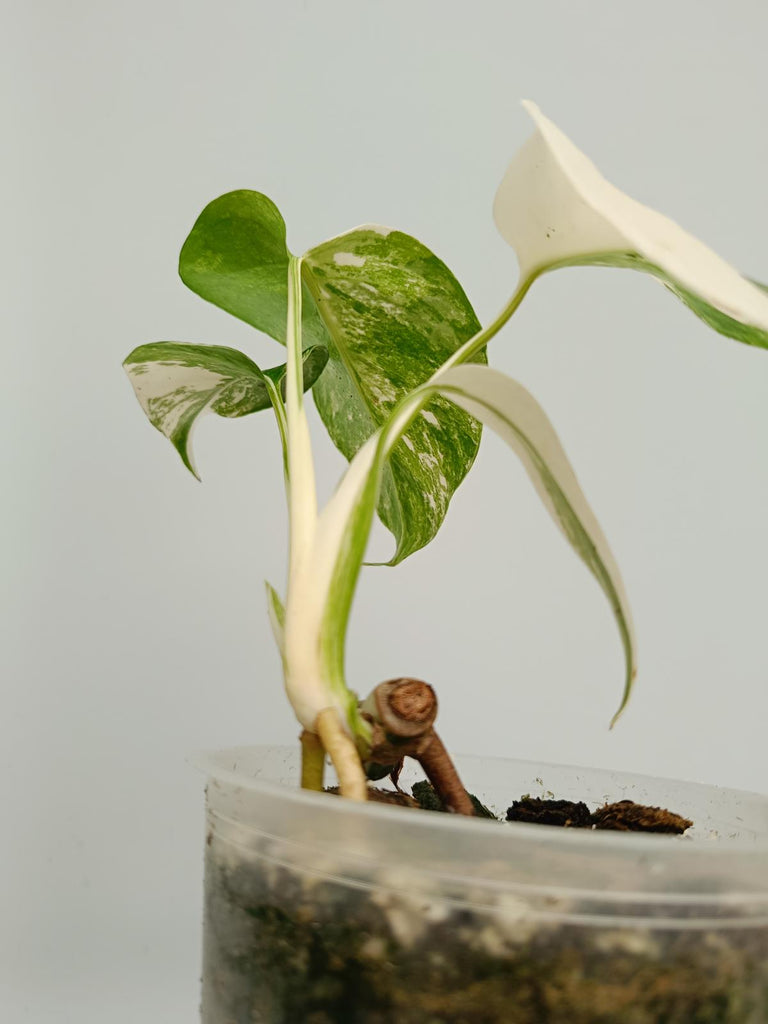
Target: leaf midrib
column 340, row 347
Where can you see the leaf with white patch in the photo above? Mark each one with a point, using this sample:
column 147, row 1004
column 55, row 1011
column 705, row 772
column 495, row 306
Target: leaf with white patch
column 318, row 610
column 556, row 209
column 176, row 384
column 390, row 313
column 394, row 314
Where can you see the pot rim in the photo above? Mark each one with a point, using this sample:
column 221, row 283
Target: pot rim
column 221, row 765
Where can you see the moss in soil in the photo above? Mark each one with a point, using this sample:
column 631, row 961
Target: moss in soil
column 426, row 797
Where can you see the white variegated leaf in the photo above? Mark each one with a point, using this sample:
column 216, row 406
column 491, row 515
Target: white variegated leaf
column 389, row 312
column 176, row 384
column 394, row 314
column 318, row 609
column 556, row 209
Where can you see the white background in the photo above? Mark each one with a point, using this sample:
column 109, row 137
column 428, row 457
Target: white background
column 133, row 608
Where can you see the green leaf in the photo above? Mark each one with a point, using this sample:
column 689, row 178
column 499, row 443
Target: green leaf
column 344, row 526
column 390, row 313
column 236, row 257
column 394, row 313
column 176, row 384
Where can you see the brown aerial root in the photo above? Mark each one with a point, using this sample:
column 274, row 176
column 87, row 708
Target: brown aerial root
column 402, row 712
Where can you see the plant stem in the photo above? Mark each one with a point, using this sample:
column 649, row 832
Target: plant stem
column 312, row 761
column 404, row 711
column 282, row 423
column 302, row 496
column 441, row 772
column 475, row 343
column 415, row 402
column 363, row 486
column 343, row 754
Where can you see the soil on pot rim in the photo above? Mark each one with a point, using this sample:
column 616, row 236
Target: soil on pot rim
column 621, row 816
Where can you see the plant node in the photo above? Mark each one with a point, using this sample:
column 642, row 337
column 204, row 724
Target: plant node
column 406, row 708
column 402, row 712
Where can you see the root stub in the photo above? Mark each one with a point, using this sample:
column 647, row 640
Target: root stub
column 406, row 708
column 414, row 701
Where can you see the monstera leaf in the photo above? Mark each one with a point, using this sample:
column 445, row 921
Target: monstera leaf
column 556, row 209
column 314, row 627
column 388, row 311
column 176, row 384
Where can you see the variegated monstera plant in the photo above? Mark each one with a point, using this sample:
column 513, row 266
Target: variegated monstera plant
column 382, row 332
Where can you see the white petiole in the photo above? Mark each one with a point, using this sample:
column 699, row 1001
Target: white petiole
column 302, row 494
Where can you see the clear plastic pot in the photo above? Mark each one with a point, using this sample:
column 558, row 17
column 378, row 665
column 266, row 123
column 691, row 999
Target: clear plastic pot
column 319, row 910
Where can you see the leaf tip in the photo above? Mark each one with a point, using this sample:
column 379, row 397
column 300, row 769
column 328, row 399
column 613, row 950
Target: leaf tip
column 631, row 676
column 186, row 458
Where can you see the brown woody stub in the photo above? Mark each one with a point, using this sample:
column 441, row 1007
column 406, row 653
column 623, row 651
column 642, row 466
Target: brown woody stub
column 406, row 707
column 402, row 712
column 415, row 701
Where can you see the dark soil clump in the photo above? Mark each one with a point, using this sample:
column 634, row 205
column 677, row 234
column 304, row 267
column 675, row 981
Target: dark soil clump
column 384, row 796
column 622, row 816
column 566, row 813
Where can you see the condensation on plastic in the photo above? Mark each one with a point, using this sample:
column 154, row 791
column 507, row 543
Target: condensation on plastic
column 714, row 876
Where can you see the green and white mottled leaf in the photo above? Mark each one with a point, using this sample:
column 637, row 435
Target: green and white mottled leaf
column 394, row 313
column 556, row 209
column 514, row 414
column 390, row 313
column 176, row 384
column 318, row 611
